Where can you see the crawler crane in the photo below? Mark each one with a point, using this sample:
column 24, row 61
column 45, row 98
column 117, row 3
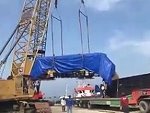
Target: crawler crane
column 30, row 42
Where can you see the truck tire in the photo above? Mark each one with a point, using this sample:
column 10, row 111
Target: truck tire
column 89, row 105
column 81, row 105
column 84, row 105
column 144, row 107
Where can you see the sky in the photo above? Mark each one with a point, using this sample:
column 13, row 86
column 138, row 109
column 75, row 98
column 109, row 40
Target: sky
column 119, row 28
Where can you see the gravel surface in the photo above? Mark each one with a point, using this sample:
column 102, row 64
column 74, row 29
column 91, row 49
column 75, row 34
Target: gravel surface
column 57, row 109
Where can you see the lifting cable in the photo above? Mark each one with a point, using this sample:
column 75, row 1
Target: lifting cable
column 2, row 71
column 3, row 62
column 11, row 45
column 7, row 42
column 52, row 29
column 2, row 68
column 81, row 13
column 52, row 35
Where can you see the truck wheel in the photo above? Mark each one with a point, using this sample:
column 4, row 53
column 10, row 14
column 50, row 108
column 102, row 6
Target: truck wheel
column 81, row 105
column 89, row 105
column 85, row 105
column 144, row 107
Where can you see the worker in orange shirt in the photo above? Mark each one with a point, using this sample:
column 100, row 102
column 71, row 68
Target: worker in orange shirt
column 124, row 107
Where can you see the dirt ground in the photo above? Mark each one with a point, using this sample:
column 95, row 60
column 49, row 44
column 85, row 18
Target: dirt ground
column 57, row 109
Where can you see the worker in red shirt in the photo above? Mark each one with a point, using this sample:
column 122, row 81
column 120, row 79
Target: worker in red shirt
column 124, row 107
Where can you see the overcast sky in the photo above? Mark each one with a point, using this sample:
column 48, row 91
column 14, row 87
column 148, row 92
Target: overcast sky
column 119, row 28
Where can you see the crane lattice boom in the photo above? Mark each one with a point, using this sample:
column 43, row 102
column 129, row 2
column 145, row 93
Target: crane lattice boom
column 32, row 31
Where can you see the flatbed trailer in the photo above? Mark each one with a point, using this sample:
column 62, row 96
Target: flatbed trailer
column 136, row 88
column 138, row 99
column 89, row 102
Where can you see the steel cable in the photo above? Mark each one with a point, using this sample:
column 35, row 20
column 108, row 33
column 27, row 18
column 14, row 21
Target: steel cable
column 87, row 26
column 61, row 28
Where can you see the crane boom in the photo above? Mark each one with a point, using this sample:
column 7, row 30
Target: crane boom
column 33, row 41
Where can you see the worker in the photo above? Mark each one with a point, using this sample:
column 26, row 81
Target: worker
column 25, row 85
column 69, row 104
column 124, row 107
column 37, row 86
column 98, row 90
column 63, row 104
column 102, row 87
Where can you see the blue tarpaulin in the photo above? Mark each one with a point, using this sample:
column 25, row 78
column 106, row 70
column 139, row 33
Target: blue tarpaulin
column 98, row 63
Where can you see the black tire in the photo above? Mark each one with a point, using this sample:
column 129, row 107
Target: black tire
column 89, row 105
column 144, row 107
column 85, row 105
column 81, row 105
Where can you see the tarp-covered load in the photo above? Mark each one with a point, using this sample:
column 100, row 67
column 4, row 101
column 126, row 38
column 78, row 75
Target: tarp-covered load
column 98, row 63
